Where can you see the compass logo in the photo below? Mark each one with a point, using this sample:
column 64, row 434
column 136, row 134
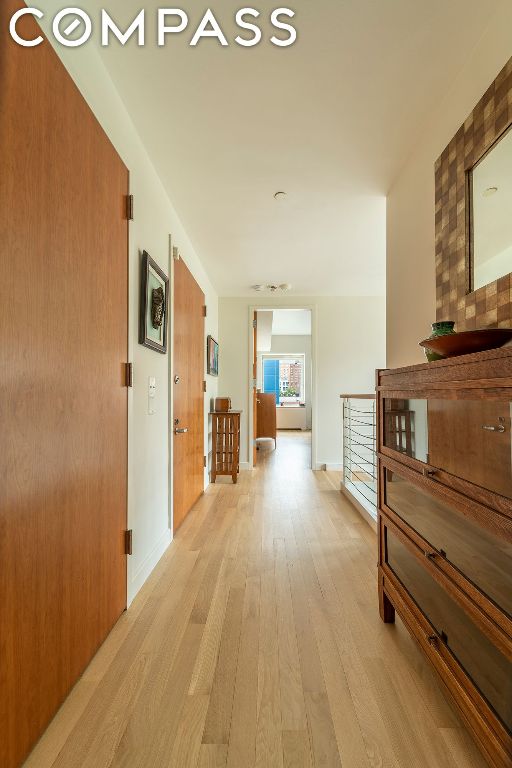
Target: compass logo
column 72, row 27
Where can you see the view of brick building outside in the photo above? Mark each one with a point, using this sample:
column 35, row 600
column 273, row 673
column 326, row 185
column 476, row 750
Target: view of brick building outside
column 290, row 376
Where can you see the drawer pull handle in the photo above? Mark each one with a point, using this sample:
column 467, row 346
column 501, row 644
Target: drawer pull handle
column 433, row 640
column 429, row 472
column 491, row 428
column 431, row 555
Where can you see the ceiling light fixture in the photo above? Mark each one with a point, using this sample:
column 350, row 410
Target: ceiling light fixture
column 272, row 287
column 279, row 195
column 489, row 191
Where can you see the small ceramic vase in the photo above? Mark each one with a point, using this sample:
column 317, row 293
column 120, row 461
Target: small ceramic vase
column 439, row 329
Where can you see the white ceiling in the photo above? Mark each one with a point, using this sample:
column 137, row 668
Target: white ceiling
column 330, row 120
column 291, row 322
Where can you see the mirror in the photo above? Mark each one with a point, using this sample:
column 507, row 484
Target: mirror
column 491, row 225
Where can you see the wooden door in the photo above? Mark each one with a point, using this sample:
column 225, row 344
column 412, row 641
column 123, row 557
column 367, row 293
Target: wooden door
column 266, row 409
column 255, row 390
column 63, row 403
column 188, row 363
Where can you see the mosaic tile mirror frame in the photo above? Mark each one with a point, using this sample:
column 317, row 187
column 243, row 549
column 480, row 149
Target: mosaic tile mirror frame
column 489, row 306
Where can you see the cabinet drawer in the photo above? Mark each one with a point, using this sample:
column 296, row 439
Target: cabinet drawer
column 490, row 671
column 483, row 557
column 469, row 439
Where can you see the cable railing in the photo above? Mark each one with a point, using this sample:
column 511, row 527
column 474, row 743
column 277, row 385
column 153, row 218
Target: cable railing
column 359, row 450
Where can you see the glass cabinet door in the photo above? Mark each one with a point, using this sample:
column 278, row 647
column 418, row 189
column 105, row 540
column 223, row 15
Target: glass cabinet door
column 482, row 557
column 467, row 438
column 489, row 669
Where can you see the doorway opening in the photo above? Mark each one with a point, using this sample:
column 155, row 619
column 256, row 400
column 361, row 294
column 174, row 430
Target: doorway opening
column 282, row 384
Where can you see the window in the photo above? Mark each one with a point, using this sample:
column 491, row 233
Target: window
column 284, row 377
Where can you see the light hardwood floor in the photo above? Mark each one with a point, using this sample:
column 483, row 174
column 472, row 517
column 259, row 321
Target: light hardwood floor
column 258, row 642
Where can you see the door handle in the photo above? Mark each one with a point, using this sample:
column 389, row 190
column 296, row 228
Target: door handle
column 491, row 428
column 180, row 430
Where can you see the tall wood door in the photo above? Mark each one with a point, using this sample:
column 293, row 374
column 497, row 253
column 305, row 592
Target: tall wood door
column 255, row 389
column 63, row 406
column 188, row 364
column 266, row 416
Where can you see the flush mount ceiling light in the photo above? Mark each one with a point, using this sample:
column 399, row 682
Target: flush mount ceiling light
column 279, row 195
column 272, row 287
column 489, row 191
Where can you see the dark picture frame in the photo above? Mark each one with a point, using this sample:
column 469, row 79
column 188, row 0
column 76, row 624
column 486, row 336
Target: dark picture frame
column 154, row 305
column 212, row 356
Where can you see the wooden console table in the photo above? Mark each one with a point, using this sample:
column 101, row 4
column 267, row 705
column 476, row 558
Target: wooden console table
column 225, row 444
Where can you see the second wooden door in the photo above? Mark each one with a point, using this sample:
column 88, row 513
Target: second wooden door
column 189, row 358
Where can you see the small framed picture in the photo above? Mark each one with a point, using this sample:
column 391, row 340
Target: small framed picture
column 154, row 305
column 212, row 357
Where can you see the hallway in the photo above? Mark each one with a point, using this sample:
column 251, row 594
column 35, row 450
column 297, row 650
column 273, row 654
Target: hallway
column 257, row 642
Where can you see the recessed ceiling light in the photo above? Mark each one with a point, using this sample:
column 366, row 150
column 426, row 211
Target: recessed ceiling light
column 279, row 195
column 489, row 191
column 258, row 287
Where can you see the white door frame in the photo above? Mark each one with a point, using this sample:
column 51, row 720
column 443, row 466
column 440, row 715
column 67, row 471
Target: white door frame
column 250, row 431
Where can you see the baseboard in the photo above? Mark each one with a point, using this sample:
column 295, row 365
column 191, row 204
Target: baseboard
column 322, row 466
column 359, row 508
column 244, row 466
column 148, row 565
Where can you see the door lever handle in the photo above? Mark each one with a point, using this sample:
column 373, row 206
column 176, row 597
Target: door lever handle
column 180, row 430
column 491, row 428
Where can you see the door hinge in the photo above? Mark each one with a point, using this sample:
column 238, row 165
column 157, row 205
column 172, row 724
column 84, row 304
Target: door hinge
column 254, row 323
column 204, row 386
column 204, row 463
column 129, row 207
column 204, row 310
column 128, row 367
column 128, row 542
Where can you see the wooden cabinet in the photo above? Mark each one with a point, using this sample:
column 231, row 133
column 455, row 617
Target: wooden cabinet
column 445, row 529
column 225, row 444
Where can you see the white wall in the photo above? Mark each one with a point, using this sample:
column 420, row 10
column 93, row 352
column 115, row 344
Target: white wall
column 411, row 300
column 348, row 344
column 149, row 499
column 497, row 266
column 295, row 345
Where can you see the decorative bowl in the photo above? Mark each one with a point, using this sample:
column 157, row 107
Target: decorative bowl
column 467, row 342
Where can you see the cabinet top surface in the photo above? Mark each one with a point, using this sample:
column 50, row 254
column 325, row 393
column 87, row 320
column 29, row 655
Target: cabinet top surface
column 225, row 413
column 495, row 363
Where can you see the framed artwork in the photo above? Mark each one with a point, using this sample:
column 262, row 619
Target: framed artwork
column 154, row 305
column 212, row 357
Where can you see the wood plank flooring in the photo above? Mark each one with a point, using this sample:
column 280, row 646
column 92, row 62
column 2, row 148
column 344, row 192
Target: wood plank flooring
column 257, row 643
